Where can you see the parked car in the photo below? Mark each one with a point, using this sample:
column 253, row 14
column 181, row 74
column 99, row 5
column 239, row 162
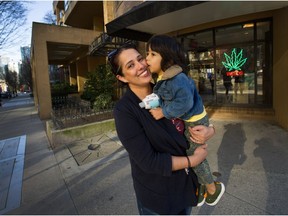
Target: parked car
column 6, row 95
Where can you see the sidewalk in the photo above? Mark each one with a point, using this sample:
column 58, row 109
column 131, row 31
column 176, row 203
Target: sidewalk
column 250, row 157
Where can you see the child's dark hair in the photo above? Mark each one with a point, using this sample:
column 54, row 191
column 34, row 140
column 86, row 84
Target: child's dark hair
column 169, row 49
column 113, row 58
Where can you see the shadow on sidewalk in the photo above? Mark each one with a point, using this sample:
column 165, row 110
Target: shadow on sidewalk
column 230, row 153
column 273, row 153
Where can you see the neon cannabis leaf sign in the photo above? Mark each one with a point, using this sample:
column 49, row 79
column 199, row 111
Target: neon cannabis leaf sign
column 235, row 61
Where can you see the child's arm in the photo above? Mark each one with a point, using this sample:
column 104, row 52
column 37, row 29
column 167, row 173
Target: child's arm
column 157, row 113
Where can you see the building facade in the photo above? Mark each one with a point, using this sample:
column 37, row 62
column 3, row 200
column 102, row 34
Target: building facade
column 236, row 51
column 244, row 41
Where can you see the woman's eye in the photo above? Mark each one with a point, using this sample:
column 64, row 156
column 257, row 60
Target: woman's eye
column 130, row 65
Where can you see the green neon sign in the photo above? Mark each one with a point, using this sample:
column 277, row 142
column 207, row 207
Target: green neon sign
column 234, row 61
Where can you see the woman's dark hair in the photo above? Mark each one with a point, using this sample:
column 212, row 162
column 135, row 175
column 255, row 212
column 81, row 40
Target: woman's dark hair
column 113, row 58
column 169, row 49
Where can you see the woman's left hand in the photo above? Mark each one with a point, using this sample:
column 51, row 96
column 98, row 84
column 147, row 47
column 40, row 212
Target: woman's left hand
column 157, row 113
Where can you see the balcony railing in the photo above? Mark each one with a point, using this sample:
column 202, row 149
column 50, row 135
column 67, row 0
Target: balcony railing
column 103, row 44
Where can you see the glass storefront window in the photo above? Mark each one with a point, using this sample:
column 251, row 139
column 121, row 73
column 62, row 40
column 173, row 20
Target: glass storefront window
column 234, row 34
column 264, row 67
column 248, row 48
column 199, row 48
column 235, row 76
column 202, row 71
column 263, row 28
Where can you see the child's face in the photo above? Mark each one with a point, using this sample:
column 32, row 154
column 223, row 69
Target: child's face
column 154, row 61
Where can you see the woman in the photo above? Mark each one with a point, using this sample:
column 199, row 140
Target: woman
column 156, row 149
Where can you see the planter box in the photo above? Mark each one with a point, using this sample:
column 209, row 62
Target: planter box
column 58, row 137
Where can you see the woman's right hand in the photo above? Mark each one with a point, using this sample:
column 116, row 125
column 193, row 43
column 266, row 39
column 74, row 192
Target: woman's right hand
column 200, row 133
column 199, row 155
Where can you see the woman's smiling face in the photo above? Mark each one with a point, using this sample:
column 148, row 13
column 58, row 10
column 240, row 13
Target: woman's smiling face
column 134, row 68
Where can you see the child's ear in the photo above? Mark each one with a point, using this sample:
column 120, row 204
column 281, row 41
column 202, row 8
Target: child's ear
column 121, row 78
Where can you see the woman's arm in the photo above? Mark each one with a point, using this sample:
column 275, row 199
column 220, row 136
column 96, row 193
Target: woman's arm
column 183, row 162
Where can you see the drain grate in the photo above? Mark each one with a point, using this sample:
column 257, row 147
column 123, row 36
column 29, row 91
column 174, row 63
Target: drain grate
column 94, row 148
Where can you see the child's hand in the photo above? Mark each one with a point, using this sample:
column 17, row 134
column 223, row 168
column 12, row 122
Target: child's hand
column 157, row 113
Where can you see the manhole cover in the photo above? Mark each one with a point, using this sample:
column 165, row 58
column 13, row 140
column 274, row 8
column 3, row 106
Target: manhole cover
column 94, row 148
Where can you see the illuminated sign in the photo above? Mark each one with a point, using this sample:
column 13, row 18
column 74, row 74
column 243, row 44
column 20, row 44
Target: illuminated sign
column 234, row 63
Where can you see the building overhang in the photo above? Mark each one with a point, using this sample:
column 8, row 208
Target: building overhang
column 62, row 45
column 142, row 14
column 158, row 17
column 64, row 53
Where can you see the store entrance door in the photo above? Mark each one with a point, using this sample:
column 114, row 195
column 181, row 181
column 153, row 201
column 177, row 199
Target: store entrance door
column 203, row 72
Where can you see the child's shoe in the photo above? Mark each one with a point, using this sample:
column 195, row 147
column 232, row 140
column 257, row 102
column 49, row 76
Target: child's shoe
column 214, row 198
column 201, row 193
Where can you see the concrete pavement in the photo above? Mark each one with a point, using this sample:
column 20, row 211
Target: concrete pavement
column 250, row 157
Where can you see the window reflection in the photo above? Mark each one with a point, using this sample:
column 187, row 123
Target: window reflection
column 207, row 69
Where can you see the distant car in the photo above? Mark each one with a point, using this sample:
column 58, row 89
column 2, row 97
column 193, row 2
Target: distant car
column 6, row 95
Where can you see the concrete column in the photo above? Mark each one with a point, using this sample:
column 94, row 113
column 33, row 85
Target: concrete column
column 82, row 69
column 280, row 59
column 41, row 34
column 108, row 12
column 42, row 83
column 57, row 16
column 72, row 74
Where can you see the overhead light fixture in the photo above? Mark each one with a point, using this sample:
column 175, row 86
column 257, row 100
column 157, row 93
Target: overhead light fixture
column 248, row 25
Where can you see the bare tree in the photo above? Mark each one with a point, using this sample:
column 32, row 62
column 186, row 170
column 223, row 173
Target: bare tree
column 13, row 17
column 25, row 73
column 11, row 79
column 50, row 18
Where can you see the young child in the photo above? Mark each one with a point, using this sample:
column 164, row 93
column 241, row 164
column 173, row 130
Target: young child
column 179, row 98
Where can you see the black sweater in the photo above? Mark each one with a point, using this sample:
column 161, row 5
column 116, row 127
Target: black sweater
column 150, row 144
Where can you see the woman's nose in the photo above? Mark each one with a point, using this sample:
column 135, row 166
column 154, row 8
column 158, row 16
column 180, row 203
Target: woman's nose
column 142, row 64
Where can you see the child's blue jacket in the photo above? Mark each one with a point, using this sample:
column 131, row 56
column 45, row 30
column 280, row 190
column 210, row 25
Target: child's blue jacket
column 178, row 94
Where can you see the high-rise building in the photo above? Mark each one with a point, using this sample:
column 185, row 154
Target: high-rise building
column 25, row 52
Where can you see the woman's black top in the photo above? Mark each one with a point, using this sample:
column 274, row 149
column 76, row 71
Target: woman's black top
column 150, row 144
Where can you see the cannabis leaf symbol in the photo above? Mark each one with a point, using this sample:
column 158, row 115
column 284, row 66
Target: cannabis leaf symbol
column 234, row 62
